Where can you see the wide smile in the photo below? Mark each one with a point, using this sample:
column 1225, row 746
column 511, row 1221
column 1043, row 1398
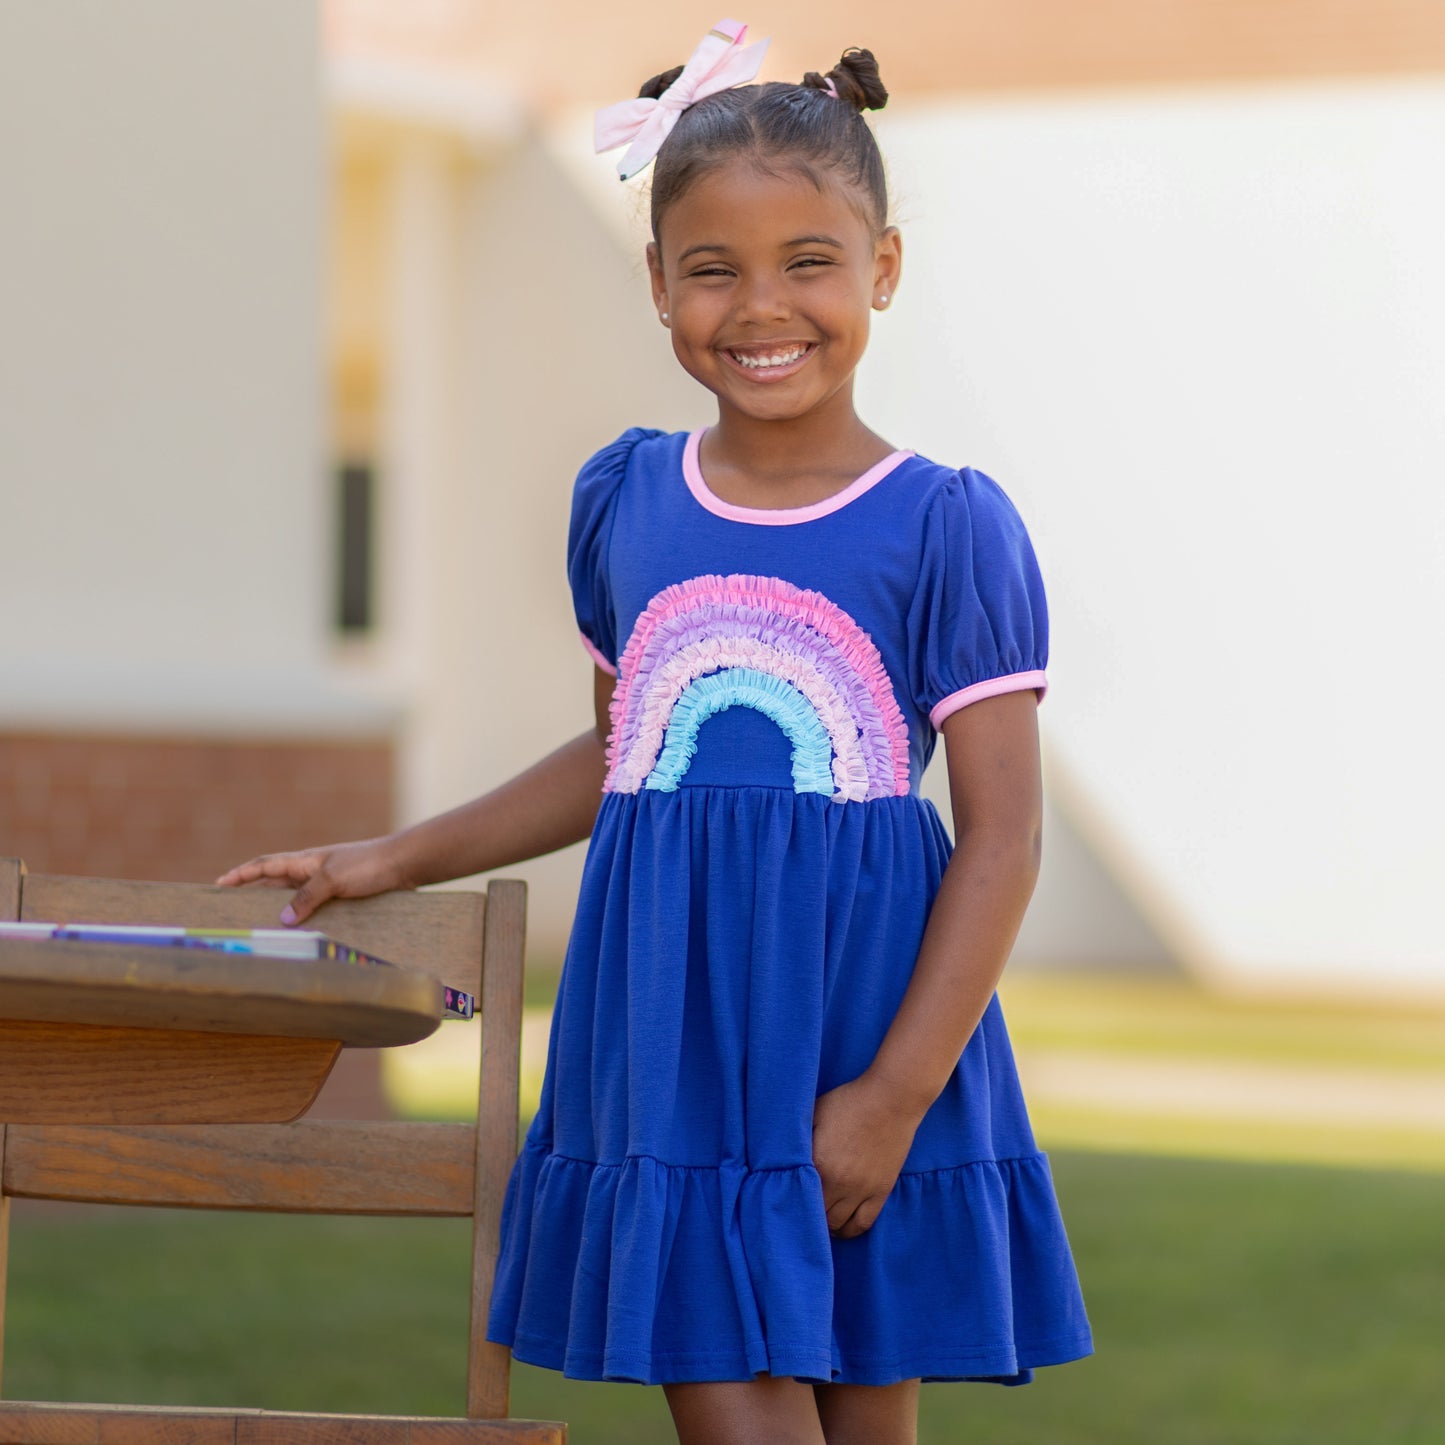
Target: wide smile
column 769, row 362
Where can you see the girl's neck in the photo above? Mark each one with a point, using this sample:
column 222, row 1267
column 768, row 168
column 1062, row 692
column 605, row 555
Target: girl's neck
column 809, row 451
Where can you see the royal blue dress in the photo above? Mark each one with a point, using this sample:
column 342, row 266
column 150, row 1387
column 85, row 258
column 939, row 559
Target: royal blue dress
column 751, row 909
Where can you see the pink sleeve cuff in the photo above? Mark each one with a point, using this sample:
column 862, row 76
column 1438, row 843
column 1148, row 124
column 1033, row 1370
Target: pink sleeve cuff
column 1014, row 682
column 596, row 656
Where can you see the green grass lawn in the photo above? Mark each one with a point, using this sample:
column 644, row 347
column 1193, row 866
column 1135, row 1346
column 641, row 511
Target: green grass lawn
column 1134, row 1020
column 1139, row 1022
column 1168, row 1016
column 1233, row 1303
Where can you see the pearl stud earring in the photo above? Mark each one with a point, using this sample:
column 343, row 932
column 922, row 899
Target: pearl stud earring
column 883, row 299
column 664, row 316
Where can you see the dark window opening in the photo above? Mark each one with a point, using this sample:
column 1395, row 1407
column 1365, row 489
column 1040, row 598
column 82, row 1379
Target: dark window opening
column 356, row 499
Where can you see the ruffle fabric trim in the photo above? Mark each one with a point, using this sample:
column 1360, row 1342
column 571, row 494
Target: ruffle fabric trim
column 745, row 687
column 584, row 1283
column 710, row 623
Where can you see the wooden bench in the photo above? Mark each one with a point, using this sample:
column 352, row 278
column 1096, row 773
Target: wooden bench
column 472, row 941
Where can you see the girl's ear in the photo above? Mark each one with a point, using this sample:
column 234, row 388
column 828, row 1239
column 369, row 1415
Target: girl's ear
column 887, row 267
column 659, row 285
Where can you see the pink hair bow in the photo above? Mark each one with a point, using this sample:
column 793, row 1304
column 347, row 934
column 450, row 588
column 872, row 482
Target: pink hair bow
column 717, row 64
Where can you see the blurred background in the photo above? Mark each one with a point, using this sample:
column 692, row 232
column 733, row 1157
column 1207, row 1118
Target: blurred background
column 309, row 313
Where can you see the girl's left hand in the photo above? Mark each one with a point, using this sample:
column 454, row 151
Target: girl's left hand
column 861, row 1137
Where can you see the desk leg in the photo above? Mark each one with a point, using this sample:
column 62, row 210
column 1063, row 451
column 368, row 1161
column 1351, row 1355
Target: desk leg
column 4, row 1248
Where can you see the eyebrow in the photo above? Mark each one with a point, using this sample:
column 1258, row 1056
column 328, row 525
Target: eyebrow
column 787, row 245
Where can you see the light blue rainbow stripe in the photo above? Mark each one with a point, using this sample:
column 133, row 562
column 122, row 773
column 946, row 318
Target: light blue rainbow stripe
column 813, row 654
column 745, row 687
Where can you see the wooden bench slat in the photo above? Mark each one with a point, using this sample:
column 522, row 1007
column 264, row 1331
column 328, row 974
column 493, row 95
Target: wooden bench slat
column 330, row 1167
column 26, row 1423
column 489, row 1365
column 55, row 1073
column 4, row 1246
column 439, row 933
column 272, row 1429
column 100, row 1425
column 124, row 985
column 11, row 872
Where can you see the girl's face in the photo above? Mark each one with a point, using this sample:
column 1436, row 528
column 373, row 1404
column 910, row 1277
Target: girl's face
column 768, row 284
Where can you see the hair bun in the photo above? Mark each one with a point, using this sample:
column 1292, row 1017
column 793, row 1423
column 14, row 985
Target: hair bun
column 855, row 78
column 653, row 88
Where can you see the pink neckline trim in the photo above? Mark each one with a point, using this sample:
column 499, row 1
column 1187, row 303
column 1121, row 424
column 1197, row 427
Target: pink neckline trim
column 779, row 516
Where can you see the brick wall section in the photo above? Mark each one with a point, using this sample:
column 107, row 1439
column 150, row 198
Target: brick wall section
column 183, row 809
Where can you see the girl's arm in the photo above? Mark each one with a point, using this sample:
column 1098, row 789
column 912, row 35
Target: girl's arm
column 551, row 804
column 863, row 1129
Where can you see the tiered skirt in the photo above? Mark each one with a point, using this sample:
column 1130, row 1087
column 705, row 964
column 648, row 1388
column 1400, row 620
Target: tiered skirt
column 738, row 951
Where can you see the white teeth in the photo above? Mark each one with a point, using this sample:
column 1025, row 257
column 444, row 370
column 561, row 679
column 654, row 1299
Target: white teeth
column 778, row 358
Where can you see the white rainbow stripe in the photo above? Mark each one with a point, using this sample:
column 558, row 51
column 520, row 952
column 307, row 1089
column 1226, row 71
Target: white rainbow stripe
column 716, row 642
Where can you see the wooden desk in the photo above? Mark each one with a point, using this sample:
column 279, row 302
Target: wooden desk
column 97, row 1033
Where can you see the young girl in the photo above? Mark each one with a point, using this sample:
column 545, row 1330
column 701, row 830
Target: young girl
column 781, row 1165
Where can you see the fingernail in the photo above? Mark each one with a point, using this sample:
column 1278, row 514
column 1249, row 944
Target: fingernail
column 288, row 915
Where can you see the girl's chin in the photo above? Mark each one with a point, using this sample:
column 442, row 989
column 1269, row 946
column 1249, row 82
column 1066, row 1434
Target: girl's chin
column 773, row 405
column 771, row 401
column 782, row 403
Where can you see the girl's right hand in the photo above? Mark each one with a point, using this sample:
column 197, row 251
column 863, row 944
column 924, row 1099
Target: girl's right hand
column 342, row 870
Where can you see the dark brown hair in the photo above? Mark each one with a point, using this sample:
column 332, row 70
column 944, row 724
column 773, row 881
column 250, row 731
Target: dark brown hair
column 779, row 127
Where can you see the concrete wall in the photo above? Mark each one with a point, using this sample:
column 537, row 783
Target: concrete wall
column 1201, row 340
column 164, row 489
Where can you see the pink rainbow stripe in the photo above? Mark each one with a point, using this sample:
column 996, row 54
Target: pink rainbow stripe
column 781, row 516
column 991, row 687
column 792, row 643
column 708, row 655
column 775, row 627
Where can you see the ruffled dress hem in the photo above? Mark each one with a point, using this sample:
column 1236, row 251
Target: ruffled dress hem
column 999, row 1366
column 993, row 1223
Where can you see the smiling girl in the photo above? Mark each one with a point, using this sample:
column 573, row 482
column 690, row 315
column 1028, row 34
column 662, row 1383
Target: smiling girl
column 781, row 1166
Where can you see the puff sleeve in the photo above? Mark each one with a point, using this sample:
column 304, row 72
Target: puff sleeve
column 979, row 622
column 594, row 505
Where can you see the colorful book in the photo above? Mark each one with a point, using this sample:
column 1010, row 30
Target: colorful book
column 296, row 943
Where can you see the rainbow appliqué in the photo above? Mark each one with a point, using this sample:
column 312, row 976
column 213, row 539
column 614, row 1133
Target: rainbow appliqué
column 713, row 643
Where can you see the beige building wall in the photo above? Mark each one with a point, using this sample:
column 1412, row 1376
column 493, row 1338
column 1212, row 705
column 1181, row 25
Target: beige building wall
column 164, row 488
column 1200, row 337
column 168, row 700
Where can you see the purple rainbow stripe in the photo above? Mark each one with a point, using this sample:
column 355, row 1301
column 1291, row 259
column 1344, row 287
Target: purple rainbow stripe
column 701, row 626
column 704, row 655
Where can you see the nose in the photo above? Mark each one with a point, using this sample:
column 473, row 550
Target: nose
column 762, row 299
